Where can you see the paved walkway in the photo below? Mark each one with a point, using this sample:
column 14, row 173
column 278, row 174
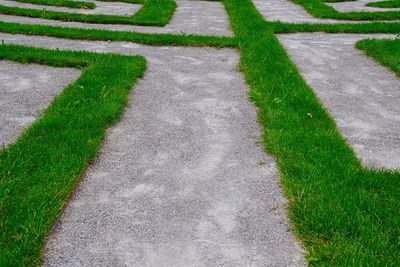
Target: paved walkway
column 191, row 17
column 362, row 95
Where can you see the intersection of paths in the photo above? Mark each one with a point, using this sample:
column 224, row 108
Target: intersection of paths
column 182, row 179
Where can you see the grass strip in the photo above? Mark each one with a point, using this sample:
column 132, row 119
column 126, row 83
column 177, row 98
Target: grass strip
column 152, row 13
column 319, row 9
column 156, row 39
column 385, row 4
column 385, row 51
column 60, row 3
column 373, row 27
column 40, row 171
column 346, row 215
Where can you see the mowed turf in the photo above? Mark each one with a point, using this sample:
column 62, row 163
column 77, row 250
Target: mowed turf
column 385, row 4
column 385, row 51
column 345, row 214
column 152, row 13
column 40, row 171
column 60, row 3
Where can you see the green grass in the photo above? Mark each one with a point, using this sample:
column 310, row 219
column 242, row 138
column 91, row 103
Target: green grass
column 385, row 51
column 346, row 215
column 60, row 3
column 40, row 171
column 152, row 13
column 156, row 39
column 385, row 4
column 319, row 9
column 338, row 1
column 373, row 27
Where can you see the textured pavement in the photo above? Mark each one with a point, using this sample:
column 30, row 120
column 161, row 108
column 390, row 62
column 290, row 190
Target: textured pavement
column 362, row 95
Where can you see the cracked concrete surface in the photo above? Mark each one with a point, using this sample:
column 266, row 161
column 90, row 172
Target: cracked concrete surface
column 26, row 90
column 179, row 181
column 357, row 6
column 362, row 95
column 190, row 17
column 104, row 8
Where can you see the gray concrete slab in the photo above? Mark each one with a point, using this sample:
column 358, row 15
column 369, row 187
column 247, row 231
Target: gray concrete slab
column 104, row 8
column 362, row 95
column 25, row 90
column 191, row 17
column 358, row 6
column 287, row 11
column 179, row 180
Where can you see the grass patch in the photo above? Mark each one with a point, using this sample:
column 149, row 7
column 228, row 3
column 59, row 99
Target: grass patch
column 385, row 51
column 156, row 39
column 373, row 27
column 60, row 3
column 345, row 214
column 39, row 172
column 152, row 13
column 319, row 9
column 385, row 4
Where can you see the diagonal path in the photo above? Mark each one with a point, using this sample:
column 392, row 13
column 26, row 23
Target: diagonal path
column 179, row 181
column 362, row 95
column 190, row 17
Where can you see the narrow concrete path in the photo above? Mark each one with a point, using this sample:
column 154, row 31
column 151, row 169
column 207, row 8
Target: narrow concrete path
column 25, row 90
column 179, row 181
column 104, row 8
column 287, row 11
column 358, row 6
column 362, row 95
column 191, row 17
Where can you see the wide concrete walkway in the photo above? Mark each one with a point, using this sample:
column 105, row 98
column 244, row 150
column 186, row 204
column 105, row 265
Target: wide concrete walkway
column 362, row 95
column 182, row 180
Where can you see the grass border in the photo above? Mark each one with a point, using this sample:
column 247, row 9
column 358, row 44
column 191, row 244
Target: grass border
column 345, row 214
column 39, row 172
column 320, row 9
column 152, row 13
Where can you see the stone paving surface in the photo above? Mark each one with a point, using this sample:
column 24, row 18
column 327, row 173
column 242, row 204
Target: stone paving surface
column 362, row 95
column 179, row 181
column 104, row 8
column 191, row 17
column 25, row 90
